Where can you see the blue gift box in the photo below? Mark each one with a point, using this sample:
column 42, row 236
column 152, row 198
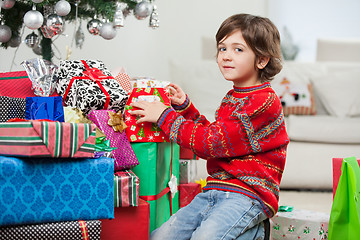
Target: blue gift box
column 51, row 189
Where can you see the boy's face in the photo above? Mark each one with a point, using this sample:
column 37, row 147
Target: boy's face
column 236, row 61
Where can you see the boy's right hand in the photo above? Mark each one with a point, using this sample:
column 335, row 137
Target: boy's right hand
column 177, row 95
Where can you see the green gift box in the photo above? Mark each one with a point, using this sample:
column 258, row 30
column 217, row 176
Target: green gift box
column 158, row 171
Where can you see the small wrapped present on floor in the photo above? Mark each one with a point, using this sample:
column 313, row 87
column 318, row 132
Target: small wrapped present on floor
column 88, row 85
column 158, row 174
column 126, row 187
column 129, row 223
column 299, row 224
column 11, row 108
column 49, row 108
column 74, row 230
column 47, row 139
column 187, row 171
column 124, row 155
column 41, row 190
column 187, row 193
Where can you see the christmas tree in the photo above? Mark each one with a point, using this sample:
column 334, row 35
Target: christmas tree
column 48, row 17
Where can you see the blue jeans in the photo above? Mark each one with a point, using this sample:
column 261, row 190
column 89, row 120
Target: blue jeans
column 215, row 215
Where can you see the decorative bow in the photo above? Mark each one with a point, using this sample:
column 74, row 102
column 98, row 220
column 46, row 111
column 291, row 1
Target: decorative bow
column 103, row 145
column 116, row 121
column 95, row 74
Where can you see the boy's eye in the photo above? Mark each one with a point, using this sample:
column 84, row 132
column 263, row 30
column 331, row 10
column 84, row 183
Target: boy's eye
column 222, row 49
column 238, row 49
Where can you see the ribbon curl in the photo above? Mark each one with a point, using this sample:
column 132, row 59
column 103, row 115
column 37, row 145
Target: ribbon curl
column 116, row 121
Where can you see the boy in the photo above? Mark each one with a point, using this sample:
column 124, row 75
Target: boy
column 245, row 147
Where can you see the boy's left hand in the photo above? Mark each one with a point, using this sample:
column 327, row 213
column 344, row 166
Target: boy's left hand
column 149, row 111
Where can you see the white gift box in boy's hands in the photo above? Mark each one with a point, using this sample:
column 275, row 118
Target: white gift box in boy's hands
column 300, row 224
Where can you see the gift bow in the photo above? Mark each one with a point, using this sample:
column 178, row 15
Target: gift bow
column 95, row 74
column 116, row 121
column 103, row 145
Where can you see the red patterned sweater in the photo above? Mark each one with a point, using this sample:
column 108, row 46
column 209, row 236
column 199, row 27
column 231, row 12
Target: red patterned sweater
column 245, row 147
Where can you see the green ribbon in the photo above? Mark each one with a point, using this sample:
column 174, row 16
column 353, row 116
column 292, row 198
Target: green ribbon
column 286, row 208
column 103, row 145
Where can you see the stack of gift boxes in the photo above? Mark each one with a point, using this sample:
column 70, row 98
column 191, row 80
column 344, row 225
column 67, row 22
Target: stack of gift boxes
column 73, row 162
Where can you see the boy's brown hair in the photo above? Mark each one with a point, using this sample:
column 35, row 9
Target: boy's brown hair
column 261, row 35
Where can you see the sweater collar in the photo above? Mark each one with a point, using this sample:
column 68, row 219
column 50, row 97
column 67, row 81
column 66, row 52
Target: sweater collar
column 245, row 90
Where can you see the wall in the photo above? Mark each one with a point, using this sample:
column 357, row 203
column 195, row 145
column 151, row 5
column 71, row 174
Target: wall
column 144, row 51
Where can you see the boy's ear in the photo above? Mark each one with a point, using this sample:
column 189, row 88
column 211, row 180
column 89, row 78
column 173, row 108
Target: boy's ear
column 262, row 62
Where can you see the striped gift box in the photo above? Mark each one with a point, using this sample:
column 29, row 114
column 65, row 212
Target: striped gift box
column 47, row 139
column 126, row 189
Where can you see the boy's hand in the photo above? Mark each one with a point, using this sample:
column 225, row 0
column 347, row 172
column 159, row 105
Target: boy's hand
column 177, row 95
column 149, row 111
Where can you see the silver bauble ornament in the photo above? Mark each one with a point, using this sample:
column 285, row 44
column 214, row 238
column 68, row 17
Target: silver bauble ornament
column 37, row 1
column 37, row 49
column 62, row 8
column 5, row 33
column 79, row 37
column 7, row 4
column 118, row 16
column 143, row 10
column 94, row 26
column 55, row 22
column 14, row 42
column 32, row 40
column 107, row 31
column 33, row 19
column 154, row 19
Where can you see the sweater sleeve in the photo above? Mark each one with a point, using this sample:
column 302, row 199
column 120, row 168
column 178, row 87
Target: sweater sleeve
column 246, row 127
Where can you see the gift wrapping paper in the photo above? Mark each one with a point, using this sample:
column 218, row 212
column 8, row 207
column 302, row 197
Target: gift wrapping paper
column 88, row 85
column 50, row 108
column 41, row 190
column 145, row 132
column 11, row 108
column 337, row 162
column 187, row 171
column 187, row 192
column 74, row 230
column 187, row 154
column 126, row 189
column 158, row 163
column 300, row 224
column 130, row 223
column 47, row 139
column 124, row 155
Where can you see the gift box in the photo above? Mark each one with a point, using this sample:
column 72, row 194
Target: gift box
column 130, row 223
column 187, row 154
column 126, row 189
column 187, row 171
column 88, row 85
column 17, row 85
column 337, row 162
column 299, row 224
column 11, row 108
column 41, row 190
column 75, row 230
column 50, row 108
column 124, row 155
column 145, row 132
column 187, row 193
column 47, row 139
column 158, row 174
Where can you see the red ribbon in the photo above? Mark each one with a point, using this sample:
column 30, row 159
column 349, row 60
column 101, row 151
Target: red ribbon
column 165, row 190
column 84, row 230
column 94, row 74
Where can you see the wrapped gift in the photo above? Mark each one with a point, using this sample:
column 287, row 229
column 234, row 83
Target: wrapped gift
column 129, row 223
column 187, row 171
column 88, row 85
column 40, row 190
column 11, row 108
column 187, row 193
column 145, row 132
column 126, row 187
column 124, row 155
column 299, row 224
column 337, row 162
column 50, row 108
column 186, row 153
column 75, row 230
column 158, row 174
column 47, row 139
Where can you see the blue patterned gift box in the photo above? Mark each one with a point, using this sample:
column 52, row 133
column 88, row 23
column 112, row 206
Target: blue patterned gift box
column 45, row 190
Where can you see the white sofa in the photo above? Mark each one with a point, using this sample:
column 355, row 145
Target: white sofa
column 334, row 131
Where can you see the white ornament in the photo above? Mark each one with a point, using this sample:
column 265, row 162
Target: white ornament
column 143, row 10
column 14, row 42
column 33, row 19
column 62, row 8
column 7, row 4
column 154, row 19
column 55, row 23
column 107, row 31
column 32, row 40
column 37, row 1
column 118, row 16
column 5, row 33
column 94, row 26
column 79, row 37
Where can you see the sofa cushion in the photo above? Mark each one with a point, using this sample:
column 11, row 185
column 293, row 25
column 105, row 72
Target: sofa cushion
column 339, row 92
column 325, row 129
